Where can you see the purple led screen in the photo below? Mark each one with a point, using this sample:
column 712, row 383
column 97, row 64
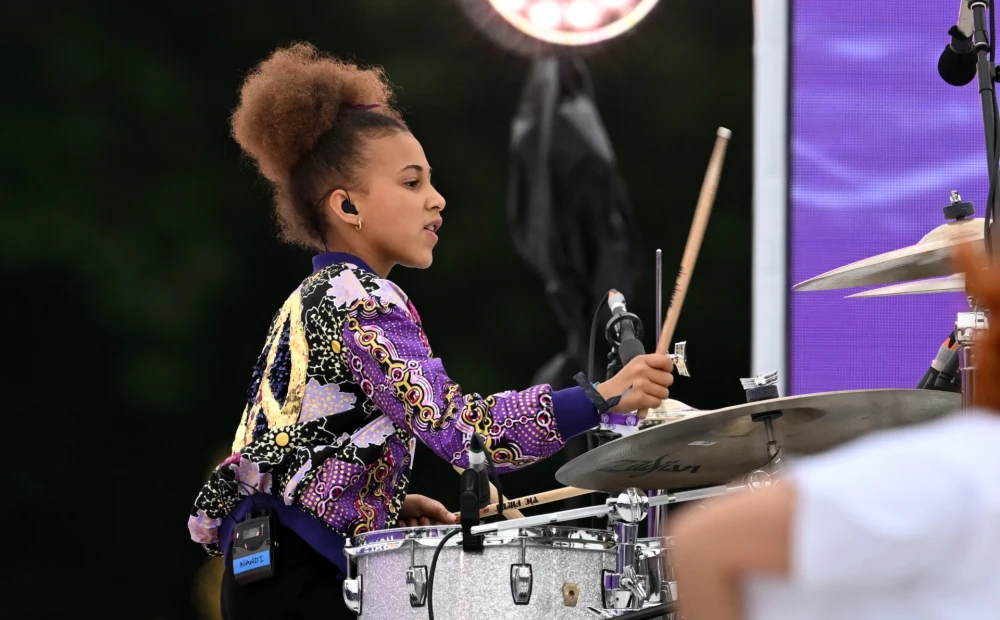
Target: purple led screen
column 877, row 143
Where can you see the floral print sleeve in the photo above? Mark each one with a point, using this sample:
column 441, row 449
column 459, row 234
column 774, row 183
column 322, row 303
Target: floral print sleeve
column 391, row 359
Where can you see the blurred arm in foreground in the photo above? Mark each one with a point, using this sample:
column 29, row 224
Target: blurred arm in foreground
column 904, row 523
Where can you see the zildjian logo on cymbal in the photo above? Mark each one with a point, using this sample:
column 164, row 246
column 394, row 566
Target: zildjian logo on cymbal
column 646, row 467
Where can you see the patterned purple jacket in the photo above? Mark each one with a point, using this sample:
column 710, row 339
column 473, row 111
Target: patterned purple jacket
column 345, row 385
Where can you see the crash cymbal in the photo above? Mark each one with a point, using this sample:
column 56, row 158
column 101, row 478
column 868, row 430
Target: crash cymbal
column 716, row 447
column 928, row 258
column 952, row 284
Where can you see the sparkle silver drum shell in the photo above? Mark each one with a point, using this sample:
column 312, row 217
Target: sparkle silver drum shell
column 542, row 572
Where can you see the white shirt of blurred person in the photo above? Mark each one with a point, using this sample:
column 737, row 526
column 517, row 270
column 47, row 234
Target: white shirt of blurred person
column 899, row 524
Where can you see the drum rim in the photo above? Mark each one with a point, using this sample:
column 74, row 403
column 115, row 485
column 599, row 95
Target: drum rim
column 560, row 537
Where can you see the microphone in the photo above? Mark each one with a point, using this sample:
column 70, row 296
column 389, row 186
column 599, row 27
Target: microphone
column 943, row 372
column 474, row 495
column 957, row 64
column 949, row 379
column 629, row 345
column 477, row 463
column 477, row 460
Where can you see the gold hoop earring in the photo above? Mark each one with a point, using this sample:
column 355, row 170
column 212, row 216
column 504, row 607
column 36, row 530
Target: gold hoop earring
column 359, row 225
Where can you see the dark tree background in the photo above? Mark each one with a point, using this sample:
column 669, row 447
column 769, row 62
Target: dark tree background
column 141, row 269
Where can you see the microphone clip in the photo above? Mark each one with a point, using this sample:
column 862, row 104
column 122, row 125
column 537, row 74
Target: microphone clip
column 624, row 333
column 469, row 502
column 960, row 42
column 612, row 331
column 475, row 494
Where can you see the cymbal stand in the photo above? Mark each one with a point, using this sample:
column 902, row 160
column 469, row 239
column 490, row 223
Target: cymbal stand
column 622, row 588
column 769, row 474
column 969, row 327
column 657, row 524
column 764, row 387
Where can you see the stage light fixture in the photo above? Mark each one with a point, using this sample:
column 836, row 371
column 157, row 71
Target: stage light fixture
column 543, row 27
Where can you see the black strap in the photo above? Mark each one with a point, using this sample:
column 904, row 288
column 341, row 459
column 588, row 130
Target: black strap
column 595, row 397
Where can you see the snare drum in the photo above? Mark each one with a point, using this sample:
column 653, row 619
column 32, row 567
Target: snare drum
column 543, row 572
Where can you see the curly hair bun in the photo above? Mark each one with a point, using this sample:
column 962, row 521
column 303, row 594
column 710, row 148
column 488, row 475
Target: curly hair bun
column 291, row 99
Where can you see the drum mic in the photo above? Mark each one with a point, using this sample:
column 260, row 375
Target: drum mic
column 475, row 493
column 949, row 379
column 477, row 464
column 957, row 64
column 629, row 343
column 943, row 373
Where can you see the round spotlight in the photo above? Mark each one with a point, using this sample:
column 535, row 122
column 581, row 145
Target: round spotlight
column 538, row 27
column 545, row 15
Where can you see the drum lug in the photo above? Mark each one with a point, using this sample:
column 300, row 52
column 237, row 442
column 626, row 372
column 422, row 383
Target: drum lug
column 416, row 585
column 353, row 591
column 521, row 582
column 624, row 590
column 416, row 579
column 660, row 588
column 651, row 572
column 353, row 588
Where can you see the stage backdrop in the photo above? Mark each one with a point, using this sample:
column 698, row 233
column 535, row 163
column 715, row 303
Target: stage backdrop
column 876, row 143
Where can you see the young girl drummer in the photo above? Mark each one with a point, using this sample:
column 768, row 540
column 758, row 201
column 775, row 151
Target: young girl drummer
column 346, row 382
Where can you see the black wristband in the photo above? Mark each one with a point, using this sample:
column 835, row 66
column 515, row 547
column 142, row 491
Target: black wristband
column 600, row 405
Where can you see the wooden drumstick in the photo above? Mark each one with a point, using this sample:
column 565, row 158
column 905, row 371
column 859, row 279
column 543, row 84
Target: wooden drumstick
column 706, row 199
column 537, row 499
column 511, row 513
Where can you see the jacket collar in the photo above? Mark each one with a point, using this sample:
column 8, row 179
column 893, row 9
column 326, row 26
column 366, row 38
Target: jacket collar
column 326, row 259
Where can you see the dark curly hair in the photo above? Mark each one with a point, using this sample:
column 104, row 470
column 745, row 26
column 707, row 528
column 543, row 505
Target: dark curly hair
column 301, row 117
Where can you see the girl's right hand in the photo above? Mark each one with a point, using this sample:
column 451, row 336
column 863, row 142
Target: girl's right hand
column 649, row 377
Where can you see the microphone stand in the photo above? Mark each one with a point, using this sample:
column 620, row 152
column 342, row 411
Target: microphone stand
column 612, row 333
column 968, row 324
column 601, row 437
column 986, row 73
column 614, row 366
column 656, row 522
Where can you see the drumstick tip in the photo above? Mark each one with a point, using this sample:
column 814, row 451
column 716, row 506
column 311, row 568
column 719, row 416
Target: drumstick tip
column 724, row 133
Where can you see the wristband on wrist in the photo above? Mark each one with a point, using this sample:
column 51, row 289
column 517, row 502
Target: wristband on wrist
column 600, row 404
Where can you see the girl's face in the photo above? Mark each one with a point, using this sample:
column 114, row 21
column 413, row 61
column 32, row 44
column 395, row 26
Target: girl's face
column 400, row 210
